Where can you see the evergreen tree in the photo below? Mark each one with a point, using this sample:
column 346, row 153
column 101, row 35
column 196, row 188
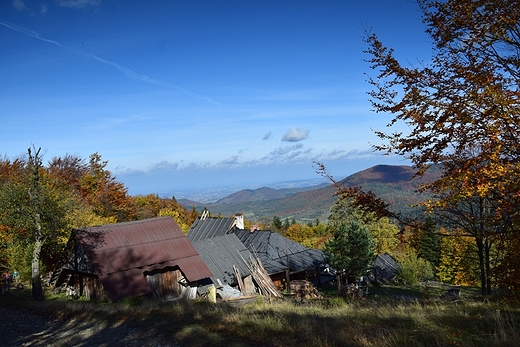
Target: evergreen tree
column 277, row 224
column 349, row 251
column 430, row 243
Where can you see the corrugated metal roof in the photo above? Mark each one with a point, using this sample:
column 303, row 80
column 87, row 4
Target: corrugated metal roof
column 209, row 227
column 386, row 268
column 274, row 250
column 220, row 254
column 121, row 253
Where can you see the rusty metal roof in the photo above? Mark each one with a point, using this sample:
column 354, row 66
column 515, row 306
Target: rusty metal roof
column 121, row 253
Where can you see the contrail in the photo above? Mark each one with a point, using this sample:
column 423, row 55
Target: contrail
column 129, row 73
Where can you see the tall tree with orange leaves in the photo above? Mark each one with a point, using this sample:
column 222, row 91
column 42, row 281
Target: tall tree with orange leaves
column 105, row 194
column 461, row 110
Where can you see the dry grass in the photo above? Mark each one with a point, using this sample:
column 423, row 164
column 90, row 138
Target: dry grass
column 325, row 322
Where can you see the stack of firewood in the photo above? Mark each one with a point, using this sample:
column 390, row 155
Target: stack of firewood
column 303, row 289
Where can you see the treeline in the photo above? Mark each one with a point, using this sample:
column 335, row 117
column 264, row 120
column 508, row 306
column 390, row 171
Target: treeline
column 44, row 202
column 41, row 204
column 426, row 249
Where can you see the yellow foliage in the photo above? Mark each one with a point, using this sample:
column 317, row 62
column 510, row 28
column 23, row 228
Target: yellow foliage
column 179, row 218
column 299, row 232
column 385, row 235
column 457, row 263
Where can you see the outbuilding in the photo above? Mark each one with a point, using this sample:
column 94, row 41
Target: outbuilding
column 126, row 260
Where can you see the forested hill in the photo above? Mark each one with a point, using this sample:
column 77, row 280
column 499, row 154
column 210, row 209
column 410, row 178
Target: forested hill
column 394, row 184
column 262, row 194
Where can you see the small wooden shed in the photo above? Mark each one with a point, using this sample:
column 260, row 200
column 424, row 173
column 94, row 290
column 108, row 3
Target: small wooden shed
column 125, row 260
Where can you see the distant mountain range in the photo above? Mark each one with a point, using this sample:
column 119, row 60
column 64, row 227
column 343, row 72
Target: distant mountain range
column 394, row 184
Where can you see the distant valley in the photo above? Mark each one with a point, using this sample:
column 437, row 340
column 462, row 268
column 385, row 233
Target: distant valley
column 394, row 184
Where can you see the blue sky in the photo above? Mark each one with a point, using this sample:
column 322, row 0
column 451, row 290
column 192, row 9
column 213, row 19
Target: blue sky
column 180, row 95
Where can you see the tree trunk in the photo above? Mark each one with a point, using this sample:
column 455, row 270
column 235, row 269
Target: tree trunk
column 34, row 193
column 488, row 268
column 482, row 268
column 37, row 291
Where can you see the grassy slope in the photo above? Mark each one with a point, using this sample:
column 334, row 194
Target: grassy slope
column 381, row 321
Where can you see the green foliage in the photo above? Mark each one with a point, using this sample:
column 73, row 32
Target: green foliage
column 277, row 224
column 17, row 217
column 286, row 224
column 383, row 232
column 430, row 243
column 412, row 268
column 350, row 249
column 344, row 211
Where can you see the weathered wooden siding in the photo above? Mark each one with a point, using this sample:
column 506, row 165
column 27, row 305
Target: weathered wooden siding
column 166, row 284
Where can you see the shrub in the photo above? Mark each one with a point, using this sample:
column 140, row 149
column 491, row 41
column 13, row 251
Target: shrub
column 413, row 269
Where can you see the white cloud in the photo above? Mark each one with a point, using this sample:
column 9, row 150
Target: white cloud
column 284, row 153
column 19, row 5
column 354, row 154
column 229, row 161
column 267, row 136
column 165, row 165
column 295, row 135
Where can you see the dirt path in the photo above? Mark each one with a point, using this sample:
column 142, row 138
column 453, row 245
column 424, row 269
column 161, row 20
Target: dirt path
column 24, row 328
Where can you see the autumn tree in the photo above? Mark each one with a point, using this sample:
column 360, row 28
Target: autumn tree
column 33, row 214
column 147, row 206
column 67, row 172
column 458, row 263
column 108, row 197
column 151, row 205
column 460, row 110
column 65, row 175
column 303, row 234
column 507, row 271
column 40, row 205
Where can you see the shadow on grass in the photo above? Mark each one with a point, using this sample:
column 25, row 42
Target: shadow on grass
column 274, row 323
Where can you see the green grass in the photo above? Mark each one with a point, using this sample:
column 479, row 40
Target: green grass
column 381, row 320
